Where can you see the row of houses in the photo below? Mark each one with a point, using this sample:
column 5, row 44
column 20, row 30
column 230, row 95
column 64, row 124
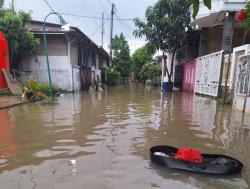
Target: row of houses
column 215, row 57
column 75, row 60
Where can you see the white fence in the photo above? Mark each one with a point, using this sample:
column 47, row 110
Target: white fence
column 242, row 90
column 208, row 71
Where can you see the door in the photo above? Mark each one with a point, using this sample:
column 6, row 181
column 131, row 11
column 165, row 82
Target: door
column 189, row 76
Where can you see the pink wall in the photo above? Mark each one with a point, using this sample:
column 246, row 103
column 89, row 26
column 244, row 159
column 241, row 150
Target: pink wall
column 189, row 75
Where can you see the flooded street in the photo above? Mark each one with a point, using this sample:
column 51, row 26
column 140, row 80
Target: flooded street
column 102, row 140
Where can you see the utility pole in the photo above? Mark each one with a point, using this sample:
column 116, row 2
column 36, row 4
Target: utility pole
column 13, row 6
column 111, row 32
column 102, row 27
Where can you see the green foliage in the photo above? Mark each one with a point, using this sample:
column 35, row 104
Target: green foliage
column 149, row 71
column 114, row 76
column 35, row 91
column 1, row 5
column 165, row 26
column 140, row 57
column 14, row 25
column 196, row 6
column 121, row 55
column 248, row 15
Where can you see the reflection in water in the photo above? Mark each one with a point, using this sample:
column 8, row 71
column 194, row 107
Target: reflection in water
column 101, row 140
column 8, row 145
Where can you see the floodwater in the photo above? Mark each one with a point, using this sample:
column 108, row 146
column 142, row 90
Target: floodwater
column 101, row 140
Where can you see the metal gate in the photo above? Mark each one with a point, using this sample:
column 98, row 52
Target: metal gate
column 242, row 91
column 243, row 76
column 208, row 70
column 189, row 76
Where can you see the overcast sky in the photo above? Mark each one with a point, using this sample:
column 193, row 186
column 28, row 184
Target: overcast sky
column 92, row 8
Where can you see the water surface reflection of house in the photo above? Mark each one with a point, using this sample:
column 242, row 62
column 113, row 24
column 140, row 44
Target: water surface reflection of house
column 8, row 145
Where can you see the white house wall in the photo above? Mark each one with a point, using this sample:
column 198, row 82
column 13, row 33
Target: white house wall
column 239, row 103
column 77, row 78
column 73, row 62
column 61, row 75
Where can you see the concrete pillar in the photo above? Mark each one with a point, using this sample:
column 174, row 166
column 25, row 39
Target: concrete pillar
column 226, row 45
column 203, row 46
column 227, row 36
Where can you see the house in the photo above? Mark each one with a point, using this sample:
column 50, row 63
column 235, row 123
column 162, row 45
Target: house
column 75, row 60
column 205, row 56
column 185, row 62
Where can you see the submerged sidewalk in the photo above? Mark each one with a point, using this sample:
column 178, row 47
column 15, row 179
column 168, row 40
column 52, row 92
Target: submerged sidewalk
column 9, row 101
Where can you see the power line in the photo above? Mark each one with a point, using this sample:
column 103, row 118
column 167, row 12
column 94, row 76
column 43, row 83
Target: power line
column 97, row 18
column 88, row 10
column 97, row 29
column 105, row 11
column 126, row 29
column 51, row 8
column 124, row 23
column 109, row 2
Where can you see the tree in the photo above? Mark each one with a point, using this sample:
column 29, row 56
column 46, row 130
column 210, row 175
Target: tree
column 14, row 26
column 165, row 26
column 149, row 71
column 244, row 16
column 121, row 55
column 140, row 57
column 114, row 76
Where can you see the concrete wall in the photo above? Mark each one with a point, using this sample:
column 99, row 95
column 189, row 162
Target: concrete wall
column 74, row 62
column 60, row 67
column 239, row 103
column 36, row 67
column 77, row 78
column 63, row 59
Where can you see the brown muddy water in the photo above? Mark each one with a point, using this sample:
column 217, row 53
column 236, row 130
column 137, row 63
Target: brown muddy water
column 101, row 140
